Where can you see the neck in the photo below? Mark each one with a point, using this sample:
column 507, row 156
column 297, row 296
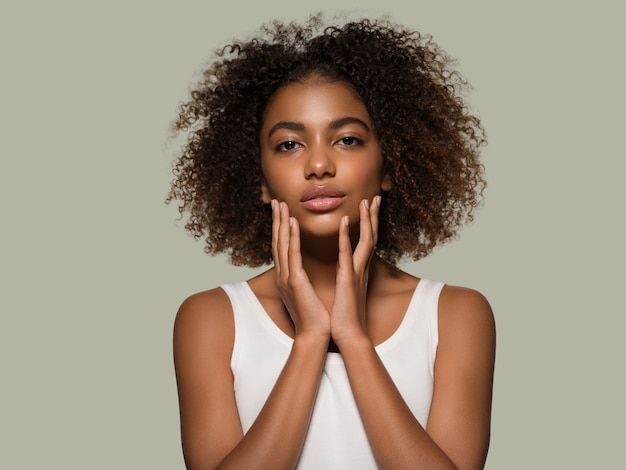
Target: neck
column 321, row 254
column 320, row 263
column 319, row 260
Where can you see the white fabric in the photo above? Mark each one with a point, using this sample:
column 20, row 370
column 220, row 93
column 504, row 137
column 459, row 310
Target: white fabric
column 336, row 438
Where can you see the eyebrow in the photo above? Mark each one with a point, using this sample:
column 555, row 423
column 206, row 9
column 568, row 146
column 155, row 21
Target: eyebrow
column 334, row 125
column 290, row 125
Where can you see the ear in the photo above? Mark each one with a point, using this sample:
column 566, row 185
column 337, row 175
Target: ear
column 266, row 197
column 386, row 184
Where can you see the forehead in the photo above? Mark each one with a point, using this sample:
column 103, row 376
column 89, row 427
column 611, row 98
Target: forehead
column 314, row 101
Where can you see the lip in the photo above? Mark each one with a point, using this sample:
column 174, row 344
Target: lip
column 322, row 198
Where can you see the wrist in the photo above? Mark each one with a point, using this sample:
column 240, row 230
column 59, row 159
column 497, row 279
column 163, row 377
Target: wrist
column 357, row 341
column 311, row 339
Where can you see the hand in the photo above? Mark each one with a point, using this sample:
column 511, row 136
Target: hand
column 348, row 314
column 308, row 313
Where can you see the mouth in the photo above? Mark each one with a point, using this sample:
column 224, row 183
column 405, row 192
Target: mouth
column 322, row 198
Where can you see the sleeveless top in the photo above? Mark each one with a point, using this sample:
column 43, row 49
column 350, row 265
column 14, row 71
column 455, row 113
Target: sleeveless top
column 336, row 437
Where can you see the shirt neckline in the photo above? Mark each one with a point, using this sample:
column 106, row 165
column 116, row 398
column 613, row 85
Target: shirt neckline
column 284, row 338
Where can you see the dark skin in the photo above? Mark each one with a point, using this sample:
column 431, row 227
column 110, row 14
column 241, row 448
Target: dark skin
column 327, row 284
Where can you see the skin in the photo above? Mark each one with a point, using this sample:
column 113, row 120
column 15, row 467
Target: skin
column 327, row 284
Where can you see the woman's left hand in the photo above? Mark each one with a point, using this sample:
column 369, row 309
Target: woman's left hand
column 348, row 313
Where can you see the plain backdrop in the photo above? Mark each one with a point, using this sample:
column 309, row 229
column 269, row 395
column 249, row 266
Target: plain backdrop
column 93, row 264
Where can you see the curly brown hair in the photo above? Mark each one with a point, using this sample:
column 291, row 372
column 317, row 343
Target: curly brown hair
column 413, row 93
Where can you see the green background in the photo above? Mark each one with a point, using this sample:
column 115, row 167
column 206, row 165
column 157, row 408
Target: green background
column 93, row 265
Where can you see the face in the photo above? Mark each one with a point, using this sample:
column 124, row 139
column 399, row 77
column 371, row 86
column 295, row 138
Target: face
column 320, row 155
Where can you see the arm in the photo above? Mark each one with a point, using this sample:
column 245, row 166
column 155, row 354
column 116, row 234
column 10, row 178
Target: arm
column 460, row 415
column 457, row 434
column 210, row 428
column 203, row 341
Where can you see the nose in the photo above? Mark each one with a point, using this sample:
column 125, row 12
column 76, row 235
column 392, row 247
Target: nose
column 319, row 163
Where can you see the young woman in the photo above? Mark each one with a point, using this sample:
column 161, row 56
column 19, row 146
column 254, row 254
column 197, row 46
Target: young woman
column 331, row 153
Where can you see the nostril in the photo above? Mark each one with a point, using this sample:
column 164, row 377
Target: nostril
column 319, row 167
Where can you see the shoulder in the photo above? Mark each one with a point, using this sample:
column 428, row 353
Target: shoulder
column 204, row 318
column 465, row 306
column 204, row 308
column 466, row 322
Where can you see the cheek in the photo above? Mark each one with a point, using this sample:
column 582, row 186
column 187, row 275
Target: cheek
column 368, row 174
column 277, row 170
column 276, row 183
column 267, row 192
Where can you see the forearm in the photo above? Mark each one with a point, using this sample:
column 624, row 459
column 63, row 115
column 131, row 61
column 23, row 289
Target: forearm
column 276, row 438
column 397, row 439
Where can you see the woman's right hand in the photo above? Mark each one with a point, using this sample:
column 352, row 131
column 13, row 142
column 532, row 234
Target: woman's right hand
column 308, row 313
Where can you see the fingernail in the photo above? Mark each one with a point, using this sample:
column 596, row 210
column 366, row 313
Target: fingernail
column 367, row 204
column 273, row 204
column 377, row 200
column 280, row 206
column 346, row 220
column 291, row 221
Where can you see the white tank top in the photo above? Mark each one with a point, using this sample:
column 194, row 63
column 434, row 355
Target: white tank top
column 336, row 438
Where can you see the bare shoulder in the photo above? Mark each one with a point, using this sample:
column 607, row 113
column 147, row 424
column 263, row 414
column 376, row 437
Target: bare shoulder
column 204, row 307
column 465, row 311
column 467, row 331
column 205, row 318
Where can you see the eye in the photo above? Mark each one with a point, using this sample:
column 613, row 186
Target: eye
column 349, row 141
column 287, row 146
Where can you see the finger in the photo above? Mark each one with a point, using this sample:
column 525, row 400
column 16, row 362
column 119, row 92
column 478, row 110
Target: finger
column 374, row 213
column 345, row 248
column 363, row 250
column 275, row 229
column 295, row 256
column 283, row 239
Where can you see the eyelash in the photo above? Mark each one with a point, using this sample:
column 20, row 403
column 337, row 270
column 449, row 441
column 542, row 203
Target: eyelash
column 281, row 147
column 353, row 142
